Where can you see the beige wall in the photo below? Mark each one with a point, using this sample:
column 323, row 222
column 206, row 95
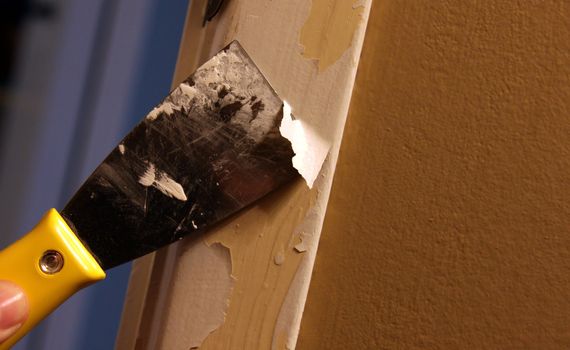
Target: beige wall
column 449, row 221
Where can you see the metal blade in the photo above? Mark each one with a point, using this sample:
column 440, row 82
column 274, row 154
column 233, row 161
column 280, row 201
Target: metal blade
column 209, row 149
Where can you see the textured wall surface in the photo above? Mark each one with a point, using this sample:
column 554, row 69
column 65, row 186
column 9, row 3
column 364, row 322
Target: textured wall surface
column 449, row 221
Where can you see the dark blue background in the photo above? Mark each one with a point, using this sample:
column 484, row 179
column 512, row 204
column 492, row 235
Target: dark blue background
column 81, row 74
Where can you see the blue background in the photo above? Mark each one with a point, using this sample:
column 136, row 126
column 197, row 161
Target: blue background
column 85, row 72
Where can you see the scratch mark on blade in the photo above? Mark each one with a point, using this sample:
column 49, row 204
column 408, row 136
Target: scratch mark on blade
column 145, row 201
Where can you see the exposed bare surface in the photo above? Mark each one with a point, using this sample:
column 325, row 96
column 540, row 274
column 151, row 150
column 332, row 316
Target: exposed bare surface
column 329, row 29
column 207, row 297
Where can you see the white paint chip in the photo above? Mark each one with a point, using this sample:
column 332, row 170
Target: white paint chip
column 279, row 258
column 122, row 148
column 310, row 149
column 302, row 246
column 162, row 182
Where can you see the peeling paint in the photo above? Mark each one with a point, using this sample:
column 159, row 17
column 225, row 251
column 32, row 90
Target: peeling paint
column 269, row 279
column 268, row 296
column 310, row 149
column 303, row 245
column 304, row 238
column 329, row 30
column 206, row 289
column 359, row 3
column 279, row 258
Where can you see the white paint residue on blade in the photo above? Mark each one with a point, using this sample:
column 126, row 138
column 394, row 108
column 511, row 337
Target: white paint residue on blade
column 188, row 90
column 243, row 83
column 310, row 149
column 147, row 179
column 169, row 187
column 122, row 148
column 228, row 79
column 165, row 107
column 162, row 182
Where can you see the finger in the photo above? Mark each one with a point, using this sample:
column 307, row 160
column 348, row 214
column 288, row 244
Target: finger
column 13, row 309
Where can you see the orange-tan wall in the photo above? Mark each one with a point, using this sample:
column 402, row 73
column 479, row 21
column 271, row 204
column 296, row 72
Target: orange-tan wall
column 449, row 221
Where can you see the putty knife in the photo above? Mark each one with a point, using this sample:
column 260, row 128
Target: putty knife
column 209, row 149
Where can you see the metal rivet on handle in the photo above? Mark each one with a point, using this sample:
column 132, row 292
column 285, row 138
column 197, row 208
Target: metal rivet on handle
column 51, row 262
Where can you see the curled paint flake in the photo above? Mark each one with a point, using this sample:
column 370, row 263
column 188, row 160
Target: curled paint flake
column 310, row 149
column 303, row 245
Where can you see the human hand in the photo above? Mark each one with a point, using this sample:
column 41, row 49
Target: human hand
column 13, row 309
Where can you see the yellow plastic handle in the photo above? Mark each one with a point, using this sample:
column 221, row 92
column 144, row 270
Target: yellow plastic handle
column 34, row 264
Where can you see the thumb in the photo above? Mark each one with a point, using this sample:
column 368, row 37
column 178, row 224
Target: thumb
column 13, row 309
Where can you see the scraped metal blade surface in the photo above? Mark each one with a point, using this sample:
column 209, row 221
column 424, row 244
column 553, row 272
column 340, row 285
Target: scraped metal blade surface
column 209, row 149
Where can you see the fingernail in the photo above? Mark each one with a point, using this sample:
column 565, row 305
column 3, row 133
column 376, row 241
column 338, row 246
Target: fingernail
column 13, row 305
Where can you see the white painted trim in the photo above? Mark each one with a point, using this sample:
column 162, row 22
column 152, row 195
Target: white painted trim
column 272, row 277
